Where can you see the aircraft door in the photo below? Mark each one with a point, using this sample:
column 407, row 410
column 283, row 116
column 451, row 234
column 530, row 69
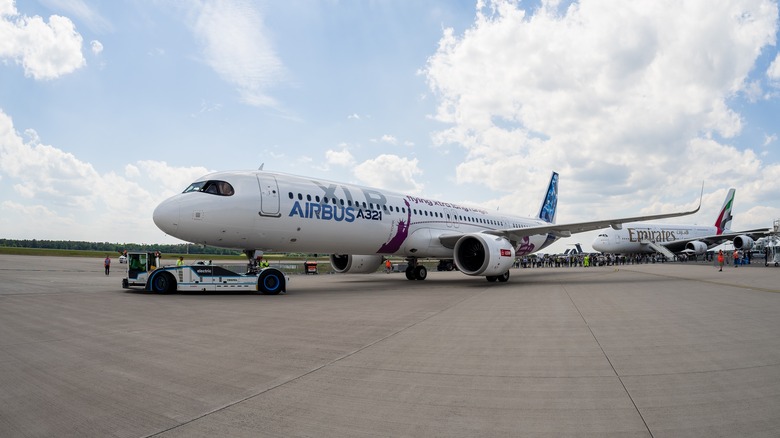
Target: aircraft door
column 450, row 215
column 269, row 195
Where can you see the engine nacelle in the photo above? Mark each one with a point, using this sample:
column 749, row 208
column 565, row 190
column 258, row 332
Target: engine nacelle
column 355, row 264
column 483, row 254
column 697, row 246
column 743, row 242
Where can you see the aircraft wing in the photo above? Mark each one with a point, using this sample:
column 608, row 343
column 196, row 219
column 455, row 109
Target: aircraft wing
column 679, row 245
column 565, row 230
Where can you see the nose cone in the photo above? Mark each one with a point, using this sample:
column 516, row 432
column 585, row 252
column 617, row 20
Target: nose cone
column 600, row 244
column 166, row 216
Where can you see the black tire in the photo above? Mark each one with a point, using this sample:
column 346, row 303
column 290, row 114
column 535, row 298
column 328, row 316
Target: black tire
column 420, row 273
column 491, row 278
column 503, row 278
column 409, row 273
column 163, row 283
column 271, row 282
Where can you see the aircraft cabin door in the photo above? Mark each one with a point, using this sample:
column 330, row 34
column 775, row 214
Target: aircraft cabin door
column 269, row 195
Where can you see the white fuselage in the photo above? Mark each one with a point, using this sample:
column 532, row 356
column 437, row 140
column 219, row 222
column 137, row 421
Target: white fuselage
column 286, row 213
column 635, row 237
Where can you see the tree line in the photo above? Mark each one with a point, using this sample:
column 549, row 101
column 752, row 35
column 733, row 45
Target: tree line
column 79, row 245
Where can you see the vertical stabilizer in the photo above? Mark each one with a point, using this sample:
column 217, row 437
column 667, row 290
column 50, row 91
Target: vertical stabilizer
column 549, row 208
column 723, row 222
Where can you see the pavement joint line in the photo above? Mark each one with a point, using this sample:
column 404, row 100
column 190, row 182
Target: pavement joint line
column 719, row 283
column 318, row 368
column 686, row 373
column 606, row 356
column 500, row 376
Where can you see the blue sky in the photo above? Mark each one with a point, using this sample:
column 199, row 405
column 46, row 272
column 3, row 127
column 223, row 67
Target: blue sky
column 106, row 108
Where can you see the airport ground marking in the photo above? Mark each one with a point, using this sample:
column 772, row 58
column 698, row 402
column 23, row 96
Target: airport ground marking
column 606, row 356
column 317, row 368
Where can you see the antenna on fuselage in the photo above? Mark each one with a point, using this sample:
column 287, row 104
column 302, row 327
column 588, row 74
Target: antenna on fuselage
column 261, row 166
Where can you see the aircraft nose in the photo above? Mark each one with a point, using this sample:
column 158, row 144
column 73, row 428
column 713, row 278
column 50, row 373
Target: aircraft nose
column 166, row 216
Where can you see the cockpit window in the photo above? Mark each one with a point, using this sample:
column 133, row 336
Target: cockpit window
column 222, row 188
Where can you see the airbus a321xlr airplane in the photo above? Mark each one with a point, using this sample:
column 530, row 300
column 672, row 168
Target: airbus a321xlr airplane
column 360, row 226
column 669, row 239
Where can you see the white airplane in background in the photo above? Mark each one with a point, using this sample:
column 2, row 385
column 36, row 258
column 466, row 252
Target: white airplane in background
column 360, row 226
column 669, row 239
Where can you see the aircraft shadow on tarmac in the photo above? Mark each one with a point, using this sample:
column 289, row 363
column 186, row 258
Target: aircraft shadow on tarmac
column 377, row 283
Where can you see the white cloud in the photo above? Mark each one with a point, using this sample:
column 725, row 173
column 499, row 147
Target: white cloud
column 236, row 46
column 82, row 12
column 387, row 138
column 773, row 72
column 617, row 97
column 390, row 172
column 88, row 205
column 45, row 50
column 96, row 47
column 340, row 158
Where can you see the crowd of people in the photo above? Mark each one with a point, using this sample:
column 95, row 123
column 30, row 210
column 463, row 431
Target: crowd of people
column 602, row 259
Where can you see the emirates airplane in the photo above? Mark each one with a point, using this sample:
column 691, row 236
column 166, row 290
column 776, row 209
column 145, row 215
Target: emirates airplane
column 360, row 226
column 669, row 239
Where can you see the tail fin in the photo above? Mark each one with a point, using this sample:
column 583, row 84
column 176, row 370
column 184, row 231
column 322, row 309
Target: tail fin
column 550, row 203
column 723, row 222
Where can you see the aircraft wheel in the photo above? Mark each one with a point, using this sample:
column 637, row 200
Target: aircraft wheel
column 503, row 278
column 491, row 278
column 163, row 283
column 410, row 273
column 420, row 273
column 271, row 282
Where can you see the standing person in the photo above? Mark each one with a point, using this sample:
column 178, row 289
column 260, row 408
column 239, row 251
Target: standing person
column 388, row 266
column 180, row 262
column 107, row 263
column 720, row 260
column 736, row 258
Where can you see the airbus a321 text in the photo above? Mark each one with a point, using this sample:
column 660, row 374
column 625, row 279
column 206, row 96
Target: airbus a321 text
column 669, row 238
column 360, row 226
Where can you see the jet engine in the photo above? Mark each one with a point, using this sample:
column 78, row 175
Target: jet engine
column 697, row 246
column 355, row 264
column 483, row 254
column 743, row 242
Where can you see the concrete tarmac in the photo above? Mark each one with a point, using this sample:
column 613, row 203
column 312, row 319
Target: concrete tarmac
column 660, row 350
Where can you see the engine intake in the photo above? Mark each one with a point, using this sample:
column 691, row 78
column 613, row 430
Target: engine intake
column 483, row 254
column 696, row 246
column 743, row 242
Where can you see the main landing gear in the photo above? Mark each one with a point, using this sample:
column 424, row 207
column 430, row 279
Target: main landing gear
column 415, row 271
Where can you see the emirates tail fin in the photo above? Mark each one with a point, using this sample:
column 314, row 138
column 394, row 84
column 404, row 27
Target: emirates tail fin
column 723, row 222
